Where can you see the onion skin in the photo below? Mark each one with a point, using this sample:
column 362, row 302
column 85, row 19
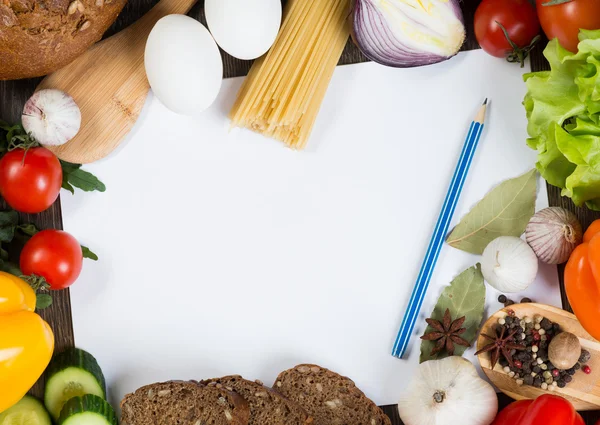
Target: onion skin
column 553, row 233
column 383, row 47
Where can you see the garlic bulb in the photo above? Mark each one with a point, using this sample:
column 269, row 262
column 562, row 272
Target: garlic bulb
column 52, row 117
column 553, row 233
column 509, row 264
column 448, row 392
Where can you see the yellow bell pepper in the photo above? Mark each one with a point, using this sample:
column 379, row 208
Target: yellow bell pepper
column 26, row 340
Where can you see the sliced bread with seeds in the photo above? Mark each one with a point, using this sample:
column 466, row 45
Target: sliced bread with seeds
column 331, row 399
column 267, row 407
column 183, row 403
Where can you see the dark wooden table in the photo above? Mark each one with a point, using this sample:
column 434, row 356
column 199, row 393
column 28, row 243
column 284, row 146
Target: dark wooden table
column 13, row 95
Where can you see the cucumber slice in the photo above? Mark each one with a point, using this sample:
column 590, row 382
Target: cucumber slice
column 87, row 410
column 72, row 373
column 28, row 411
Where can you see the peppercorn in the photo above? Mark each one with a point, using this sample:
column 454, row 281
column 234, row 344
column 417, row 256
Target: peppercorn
column 555, row 373
column 577, row 366
column 508, row 303
column 518, row 364
column 568, row 379
column 561, row 383
column 536, row 369
column 585, row 356
column 571, row 371
column 528, row 380
column 526, row 300
column 586, row 369
column 537, row 382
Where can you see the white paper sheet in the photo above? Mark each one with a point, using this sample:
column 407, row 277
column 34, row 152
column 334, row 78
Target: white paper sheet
column 224, row 252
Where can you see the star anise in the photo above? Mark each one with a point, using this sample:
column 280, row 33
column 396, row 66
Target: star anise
column 446, row 333
column 501, row 344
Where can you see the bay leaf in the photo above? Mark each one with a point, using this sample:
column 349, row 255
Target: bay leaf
column 465, row 296
column 504, row 211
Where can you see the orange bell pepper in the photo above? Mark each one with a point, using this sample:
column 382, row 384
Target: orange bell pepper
column 582, row 278
column 26, row 340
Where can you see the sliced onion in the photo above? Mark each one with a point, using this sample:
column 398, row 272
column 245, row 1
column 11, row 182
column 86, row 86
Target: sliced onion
column 407, row 33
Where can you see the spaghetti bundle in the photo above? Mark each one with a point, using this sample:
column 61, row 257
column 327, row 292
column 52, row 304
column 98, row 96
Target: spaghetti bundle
column 284, row 89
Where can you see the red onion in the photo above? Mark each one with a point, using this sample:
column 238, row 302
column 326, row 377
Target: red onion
column 408, row 33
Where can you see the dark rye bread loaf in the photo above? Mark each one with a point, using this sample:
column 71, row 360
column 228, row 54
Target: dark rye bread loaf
column 183, row 403
column 41, row 36
column 331, row 399
column 267, row 407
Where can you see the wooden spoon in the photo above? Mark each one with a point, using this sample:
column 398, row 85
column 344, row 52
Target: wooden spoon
column 583, row 391
column 109, row 84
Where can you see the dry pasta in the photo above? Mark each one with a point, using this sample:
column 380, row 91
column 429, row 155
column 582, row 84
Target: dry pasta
column 284, row 89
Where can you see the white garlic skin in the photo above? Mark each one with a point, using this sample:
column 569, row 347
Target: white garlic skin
column 52, row 117
column 553, row 233
column 509, row 264
column 462, row 396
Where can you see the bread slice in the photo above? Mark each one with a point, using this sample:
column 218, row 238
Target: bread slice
column 331, row 399
column 183, row 403
column 267, row 407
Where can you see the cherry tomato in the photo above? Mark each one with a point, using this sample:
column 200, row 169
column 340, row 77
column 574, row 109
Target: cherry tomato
column 519, row 19
column 563, row 21
column 30, row 180
column 55, row 255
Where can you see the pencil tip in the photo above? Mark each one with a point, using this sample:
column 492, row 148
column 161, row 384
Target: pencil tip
column 485, row 101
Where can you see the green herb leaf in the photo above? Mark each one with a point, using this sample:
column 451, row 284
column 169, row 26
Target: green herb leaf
column 3, row 254
column 8, row 223
column 504, row 211
column 43, row 301
column 8, row 267
column 464, row 297
column 66, row 185
column 29, row 229
column 74, row 176
column 69, row 167
column 86, row 181
column 87, row 253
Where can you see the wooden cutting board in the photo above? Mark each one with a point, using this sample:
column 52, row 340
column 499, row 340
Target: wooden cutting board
column 583, row 392
column 109, row 84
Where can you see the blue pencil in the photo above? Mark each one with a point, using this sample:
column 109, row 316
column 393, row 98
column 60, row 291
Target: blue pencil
column 437, row 239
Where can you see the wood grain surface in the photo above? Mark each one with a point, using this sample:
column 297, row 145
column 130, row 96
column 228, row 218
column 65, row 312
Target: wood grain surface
column 13, row 95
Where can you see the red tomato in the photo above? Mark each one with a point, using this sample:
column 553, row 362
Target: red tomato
column 563, row 21
column 55, row 255
column 545, row 410
column 519, row 19
column 30, row 181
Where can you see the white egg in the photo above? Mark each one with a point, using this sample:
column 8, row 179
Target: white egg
column 245, row 29
column 183, row 64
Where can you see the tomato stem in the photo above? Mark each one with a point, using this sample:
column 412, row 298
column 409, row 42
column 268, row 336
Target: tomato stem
column 518, row 54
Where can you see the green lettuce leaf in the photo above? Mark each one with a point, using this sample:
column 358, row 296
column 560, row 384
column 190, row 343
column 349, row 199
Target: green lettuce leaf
column 563, row 112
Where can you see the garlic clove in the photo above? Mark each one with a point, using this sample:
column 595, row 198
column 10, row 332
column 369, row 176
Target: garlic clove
column 52, row 117
column 509, row 264
column 553, row 233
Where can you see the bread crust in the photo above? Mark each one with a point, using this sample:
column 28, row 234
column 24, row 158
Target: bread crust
column 239, row 416
column 38, row 37
column 327, row 380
